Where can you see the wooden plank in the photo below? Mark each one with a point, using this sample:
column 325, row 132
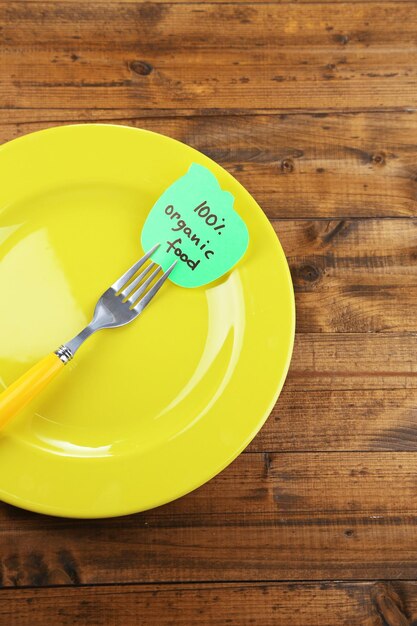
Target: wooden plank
column 266, row 517
column 283, row 604
column 328, row 361
column 353, row 275
column 328, row 420
column 291, row 163
column 316, row 56
column 197, row 2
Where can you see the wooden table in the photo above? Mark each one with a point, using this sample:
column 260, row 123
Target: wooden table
column 312, row 106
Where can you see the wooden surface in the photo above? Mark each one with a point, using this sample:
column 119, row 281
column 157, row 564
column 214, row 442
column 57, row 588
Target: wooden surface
column 313, row 107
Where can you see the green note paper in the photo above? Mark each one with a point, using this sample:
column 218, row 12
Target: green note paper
column 195, row 223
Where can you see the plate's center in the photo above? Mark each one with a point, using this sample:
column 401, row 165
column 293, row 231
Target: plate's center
column 127, row 388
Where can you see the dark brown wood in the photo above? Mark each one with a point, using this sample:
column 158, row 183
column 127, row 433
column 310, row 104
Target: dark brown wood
column 328, row 361
column 285, row 604
column 290, row 162
column 350, row 275
column 333, row 420
column 293, row 56
column 236, row 2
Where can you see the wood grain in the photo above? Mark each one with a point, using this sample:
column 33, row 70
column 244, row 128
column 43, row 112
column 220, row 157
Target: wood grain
column 331, row 361
column 236, row 2
column 288, row 162
column 311, row 56
column 268, row 517
column 367, row 413
column 311, row 105
column 348, row 420
column 283, row 604
column 353, row 275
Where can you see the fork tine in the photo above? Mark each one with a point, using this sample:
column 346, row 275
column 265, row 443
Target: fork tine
column 150, row 294
column 134, row 296
column 132, row 286
column 121, row 282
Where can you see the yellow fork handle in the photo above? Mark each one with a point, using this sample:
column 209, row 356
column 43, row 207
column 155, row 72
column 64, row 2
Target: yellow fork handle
column 28, row 386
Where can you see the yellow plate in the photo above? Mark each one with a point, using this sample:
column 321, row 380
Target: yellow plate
column 145, row 413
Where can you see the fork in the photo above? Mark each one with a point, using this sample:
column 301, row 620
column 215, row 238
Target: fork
column 119, row 305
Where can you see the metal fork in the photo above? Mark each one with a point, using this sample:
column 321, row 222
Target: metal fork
column 119, row 305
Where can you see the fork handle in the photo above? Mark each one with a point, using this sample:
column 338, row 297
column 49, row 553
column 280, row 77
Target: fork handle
column 19, row 393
